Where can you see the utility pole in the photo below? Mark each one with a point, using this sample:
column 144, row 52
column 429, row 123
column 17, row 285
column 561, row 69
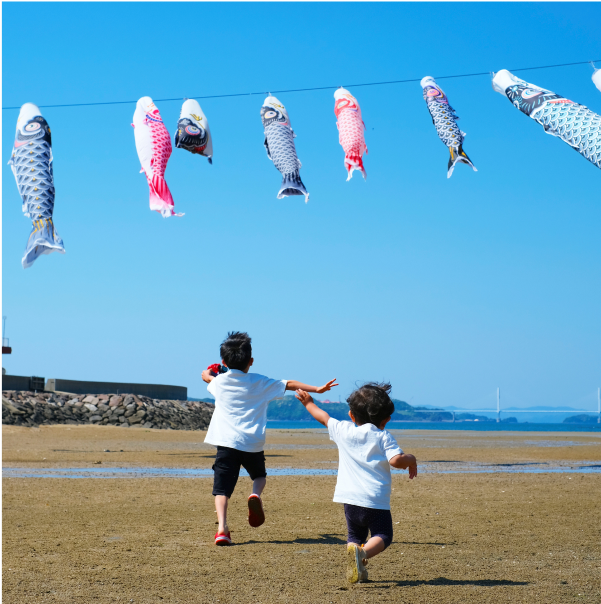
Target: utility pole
column 498, row 404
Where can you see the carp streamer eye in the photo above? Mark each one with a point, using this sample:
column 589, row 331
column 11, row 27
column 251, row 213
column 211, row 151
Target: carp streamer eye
column 32, row 127
column 270, row 114
column 192, row 130
column 529, row 93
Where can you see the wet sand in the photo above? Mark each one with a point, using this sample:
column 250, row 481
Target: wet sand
column 459, row 538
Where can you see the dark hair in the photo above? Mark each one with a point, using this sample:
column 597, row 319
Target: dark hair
column 370, row 404
column 236, row 350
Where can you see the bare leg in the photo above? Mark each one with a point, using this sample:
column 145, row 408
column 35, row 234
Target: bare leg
column 373, row 547
column 221, row 502
column 259, row 485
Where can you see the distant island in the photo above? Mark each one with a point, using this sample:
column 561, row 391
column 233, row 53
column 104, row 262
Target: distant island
column 289, row 408
column 583, row 418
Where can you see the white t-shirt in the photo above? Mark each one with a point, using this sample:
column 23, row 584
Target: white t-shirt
column 363, row 470
column 240, row 414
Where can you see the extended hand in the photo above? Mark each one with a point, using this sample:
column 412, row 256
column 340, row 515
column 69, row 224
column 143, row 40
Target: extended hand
column 327, row 387
column 303, row 397
column 413, row 471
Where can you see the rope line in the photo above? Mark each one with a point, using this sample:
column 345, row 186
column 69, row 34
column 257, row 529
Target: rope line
column 223, row 96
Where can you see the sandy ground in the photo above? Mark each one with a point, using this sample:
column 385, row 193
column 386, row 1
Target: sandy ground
column 459, row 538
column 66, row 446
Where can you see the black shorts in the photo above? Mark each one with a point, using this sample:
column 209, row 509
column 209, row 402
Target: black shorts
column 227, row 468
column 361, row 521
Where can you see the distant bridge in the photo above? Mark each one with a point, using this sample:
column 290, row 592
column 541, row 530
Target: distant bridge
column 498, row 410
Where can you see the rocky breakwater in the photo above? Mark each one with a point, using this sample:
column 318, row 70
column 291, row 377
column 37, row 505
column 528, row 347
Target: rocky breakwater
column 21, row 408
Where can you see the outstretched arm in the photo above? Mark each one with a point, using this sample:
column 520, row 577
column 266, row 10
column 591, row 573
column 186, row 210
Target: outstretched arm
column 404, row 461
column 294, row 385
column 319, row 414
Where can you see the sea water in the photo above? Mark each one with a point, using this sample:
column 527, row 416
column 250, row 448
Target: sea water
column 450, row 467
column 474, row 426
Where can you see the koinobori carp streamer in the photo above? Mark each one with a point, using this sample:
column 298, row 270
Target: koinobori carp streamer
column 597, row 79
column 574, row 124
column 193, row 132
column 445, row 119
column 351, row 131
column 153, row 144
column 31, row 163
column 279, row 142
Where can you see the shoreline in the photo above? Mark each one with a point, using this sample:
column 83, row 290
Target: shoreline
column 468, row 426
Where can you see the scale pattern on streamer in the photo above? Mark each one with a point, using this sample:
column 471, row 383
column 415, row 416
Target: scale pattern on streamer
column 161, row 144
column 444, row 118
column 281, row 147
column 32, row 166
column 576, row 125
column 351, row 131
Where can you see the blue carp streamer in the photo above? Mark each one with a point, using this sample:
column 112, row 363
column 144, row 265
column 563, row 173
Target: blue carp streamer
column 279, row 142
column 445, row 119
column 31, row 163
column 574, row 124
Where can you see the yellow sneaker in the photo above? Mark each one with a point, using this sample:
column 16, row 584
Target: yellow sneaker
column 355, row 569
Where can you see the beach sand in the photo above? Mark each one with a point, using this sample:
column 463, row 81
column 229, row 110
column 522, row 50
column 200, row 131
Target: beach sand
column 459, row 538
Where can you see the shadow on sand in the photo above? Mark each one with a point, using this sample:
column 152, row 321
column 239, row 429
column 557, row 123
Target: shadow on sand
column 331, row 539
column 213, row 456
column 425, row 543
column 324, row 539
column 445, row 581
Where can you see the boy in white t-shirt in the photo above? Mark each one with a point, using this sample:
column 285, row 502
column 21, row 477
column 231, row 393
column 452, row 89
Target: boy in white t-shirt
column 366, row 453
column 238, row 424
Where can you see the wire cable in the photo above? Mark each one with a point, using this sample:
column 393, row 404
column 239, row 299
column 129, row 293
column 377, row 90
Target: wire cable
column 223, row 96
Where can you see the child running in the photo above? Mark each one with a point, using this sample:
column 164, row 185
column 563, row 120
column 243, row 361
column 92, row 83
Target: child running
column 366, row 452
column 237, row 427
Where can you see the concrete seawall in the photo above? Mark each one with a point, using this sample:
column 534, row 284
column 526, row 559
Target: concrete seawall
column 155, row 391
column 16, row 382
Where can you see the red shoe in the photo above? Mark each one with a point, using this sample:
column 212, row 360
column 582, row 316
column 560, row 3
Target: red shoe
column 223, row 538
column 256, row 515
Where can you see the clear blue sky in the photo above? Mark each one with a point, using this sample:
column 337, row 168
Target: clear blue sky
column 447, row 288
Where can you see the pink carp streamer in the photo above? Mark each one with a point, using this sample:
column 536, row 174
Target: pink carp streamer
column 351, row 131
column 153, row 143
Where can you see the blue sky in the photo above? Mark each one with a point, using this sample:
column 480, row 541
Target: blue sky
column 447, row 288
